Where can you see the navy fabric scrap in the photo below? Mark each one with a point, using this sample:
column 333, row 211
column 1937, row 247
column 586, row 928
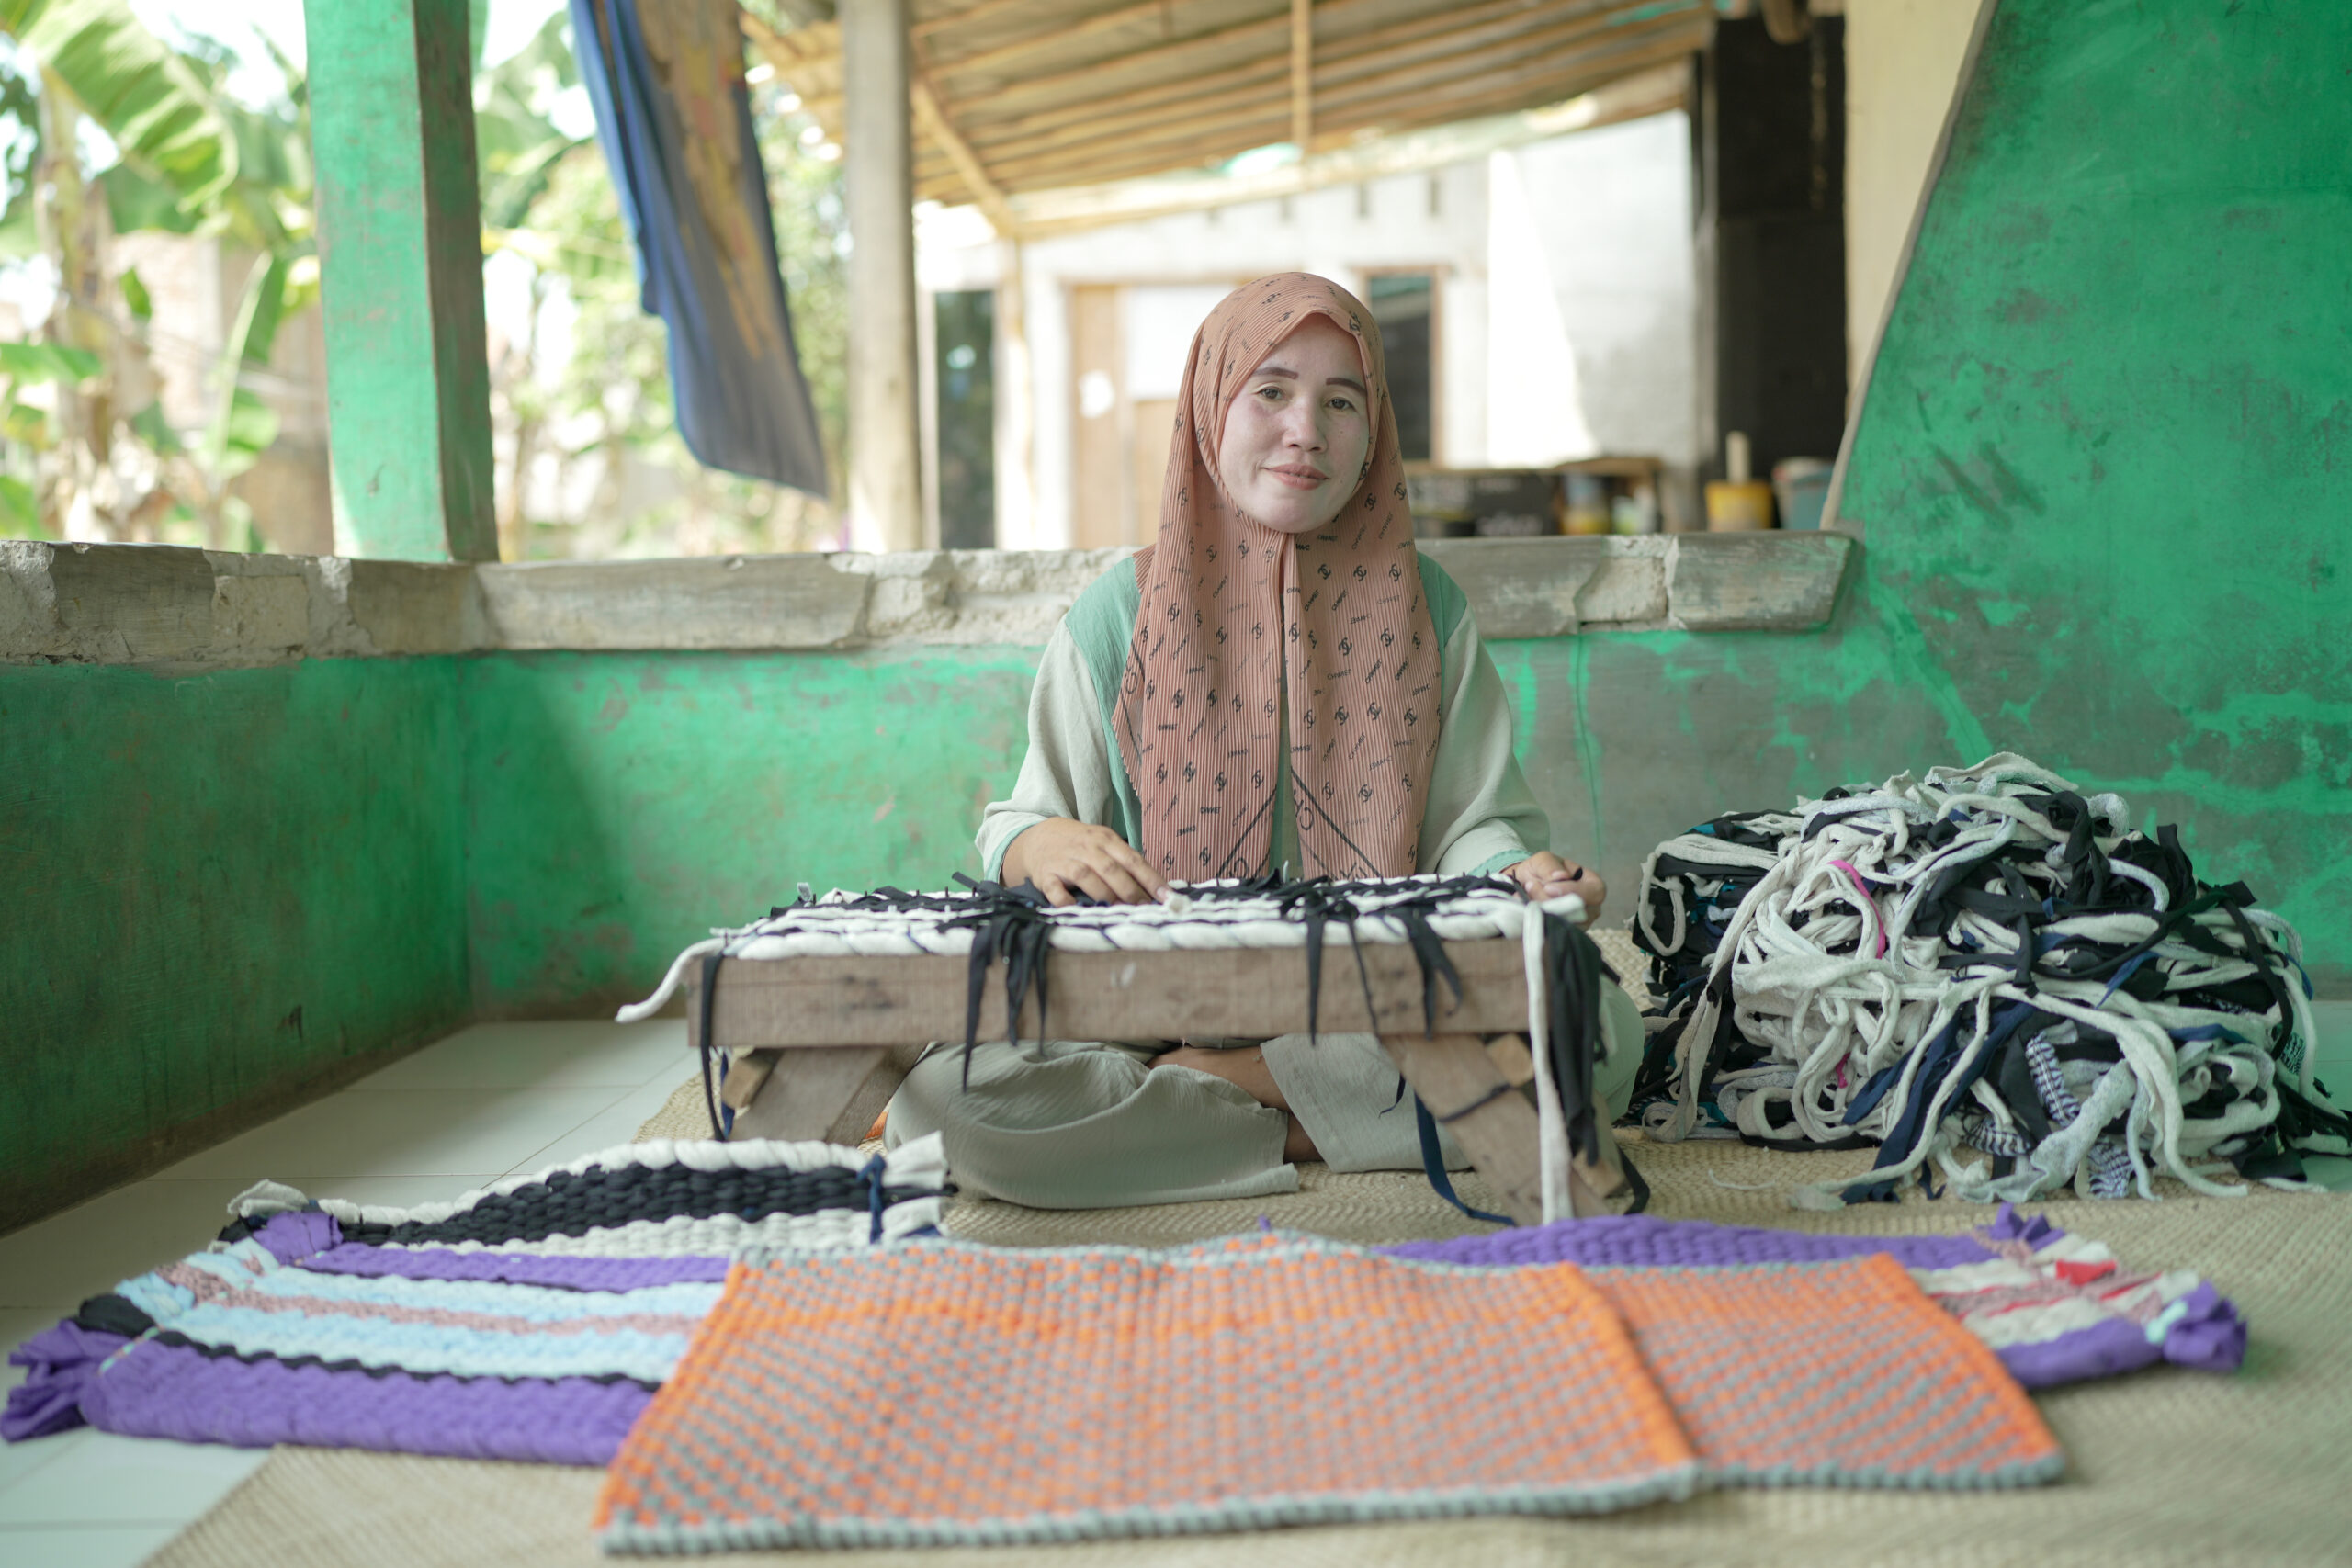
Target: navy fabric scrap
column 696, row 206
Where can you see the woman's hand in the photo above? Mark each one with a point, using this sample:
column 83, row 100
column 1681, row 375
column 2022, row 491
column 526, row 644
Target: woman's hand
column 1066, row 858
column 1545, row 876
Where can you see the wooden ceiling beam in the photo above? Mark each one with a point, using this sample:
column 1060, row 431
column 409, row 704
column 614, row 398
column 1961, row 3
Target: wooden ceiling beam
column 1095, row 26
column 1520, row 56
column 1530, row 85
column 931, row 114
column 1248, row 102
column 1302, row 73
column 1462, row 28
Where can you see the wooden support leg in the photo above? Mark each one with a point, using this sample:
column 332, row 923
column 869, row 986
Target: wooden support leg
column 1500, row 1130
column 831, row 1094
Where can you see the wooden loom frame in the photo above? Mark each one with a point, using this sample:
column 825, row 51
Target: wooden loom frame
column 821, row 1043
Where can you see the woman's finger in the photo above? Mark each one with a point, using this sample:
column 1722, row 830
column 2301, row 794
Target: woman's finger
column 1149, row 881
column 1056, row 890
column 1124, row 888
column 1085, row 879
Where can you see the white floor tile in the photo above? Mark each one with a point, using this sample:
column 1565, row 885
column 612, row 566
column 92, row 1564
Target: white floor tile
column 93, row 1246
column 617, row 1125
column 20, row 1461
column 406, row 1132
column 106, row 1480
column 83, row 1546
column 573, row 1054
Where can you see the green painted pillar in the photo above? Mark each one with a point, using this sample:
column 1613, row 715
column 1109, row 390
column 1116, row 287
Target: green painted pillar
column 399, row 246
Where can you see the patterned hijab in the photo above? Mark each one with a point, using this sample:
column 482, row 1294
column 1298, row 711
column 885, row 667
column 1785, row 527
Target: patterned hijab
column 1234, row 611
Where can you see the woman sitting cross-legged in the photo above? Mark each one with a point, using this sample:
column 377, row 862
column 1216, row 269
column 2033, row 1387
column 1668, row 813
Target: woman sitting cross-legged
column 1282, row 680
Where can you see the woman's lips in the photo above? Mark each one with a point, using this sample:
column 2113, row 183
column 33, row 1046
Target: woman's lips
column 1299, row 478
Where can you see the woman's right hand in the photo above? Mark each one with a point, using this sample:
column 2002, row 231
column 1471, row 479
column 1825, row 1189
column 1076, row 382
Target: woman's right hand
column 1066, row 858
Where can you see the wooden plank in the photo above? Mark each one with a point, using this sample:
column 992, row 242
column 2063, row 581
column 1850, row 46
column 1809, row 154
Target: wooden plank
column 932, row 116
column 1453, row 1074
column 1302, row 74
column 832, row 1096
column 1250, row 993
column 1474, row 1096
column 885, row 449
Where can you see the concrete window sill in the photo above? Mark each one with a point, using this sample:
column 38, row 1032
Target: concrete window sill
column 193, row 609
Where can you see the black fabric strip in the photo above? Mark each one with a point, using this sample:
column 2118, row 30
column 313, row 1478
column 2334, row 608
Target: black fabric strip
column 572, row 1203
column 253, row 1359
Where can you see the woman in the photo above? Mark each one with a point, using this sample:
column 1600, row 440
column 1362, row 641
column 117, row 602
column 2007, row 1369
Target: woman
column 1282, row 680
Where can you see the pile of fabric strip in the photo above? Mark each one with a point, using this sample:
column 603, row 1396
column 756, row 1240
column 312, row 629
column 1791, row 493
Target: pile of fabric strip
column 1985, row 974
column 529, row 1321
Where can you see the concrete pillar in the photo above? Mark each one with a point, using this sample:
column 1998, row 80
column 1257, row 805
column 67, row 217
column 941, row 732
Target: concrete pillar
column 885, row 451
column 399, row 250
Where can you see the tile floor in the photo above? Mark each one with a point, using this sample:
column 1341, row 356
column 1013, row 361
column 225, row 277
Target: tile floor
column 495, row 1099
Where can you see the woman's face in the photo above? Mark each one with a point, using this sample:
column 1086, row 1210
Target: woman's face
column 1298, row 432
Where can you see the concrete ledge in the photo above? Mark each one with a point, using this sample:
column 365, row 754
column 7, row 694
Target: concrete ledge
column 181, row 609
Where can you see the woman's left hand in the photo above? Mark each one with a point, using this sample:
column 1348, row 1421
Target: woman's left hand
column 1545, row 876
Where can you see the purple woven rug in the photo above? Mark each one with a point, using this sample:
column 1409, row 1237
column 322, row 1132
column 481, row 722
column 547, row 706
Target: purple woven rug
column 2056, row 1308
column 531, row 1320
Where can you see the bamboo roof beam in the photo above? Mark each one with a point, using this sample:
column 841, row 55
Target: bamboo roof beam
column 1061, row 36
column 1302, row 73
column 1336, row 86
column 931, row 115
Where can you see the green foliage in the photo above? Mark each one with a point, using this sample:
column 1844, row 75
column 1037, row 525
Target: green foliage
column 551, row 201
column 150, row 98
column 43, row 363
column 135, row 296
column 20, row 513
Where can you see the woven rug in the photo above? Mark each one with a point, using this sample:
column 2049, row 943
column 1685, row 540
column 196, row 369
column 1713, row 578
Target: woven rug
column 946, row 1395
column 1276, row 1379
column 2168, row 1467
column 528, row 1321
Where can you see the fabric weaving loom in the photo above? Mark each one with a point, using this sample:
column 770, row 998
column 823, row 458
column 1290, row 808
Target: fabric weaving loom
column 1436, row 967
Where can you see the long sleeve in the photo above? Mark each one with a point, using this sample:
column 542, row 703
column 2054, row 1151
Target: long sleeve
column 1481, row 816
column 1068, row 770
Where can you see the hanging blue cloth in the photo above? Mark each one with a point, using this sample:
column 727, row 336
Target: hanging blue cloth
column 674, row 118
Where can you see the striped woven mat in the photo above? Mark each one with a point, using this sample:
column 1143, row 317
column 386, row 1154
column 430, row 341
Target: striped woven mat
column 947, row 1393
column 528, row 1321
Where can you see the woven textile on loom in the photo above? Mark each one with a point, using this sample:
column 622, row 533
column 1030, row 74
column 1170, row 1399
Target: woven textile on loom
column 530, row 1321
column 947, row 1392
column 1983, row 973
column 988, row 923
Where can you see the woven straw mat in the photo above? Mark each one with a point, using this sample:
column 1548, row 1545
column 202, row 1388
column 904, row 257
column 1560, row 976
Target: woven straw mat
column 2163, row 1467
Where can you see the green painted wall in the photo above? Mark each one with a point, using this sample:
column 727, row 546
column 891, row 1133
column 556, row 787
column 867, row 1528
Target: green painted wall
column 217, row 893
column 2105, row 461
column 620, row 805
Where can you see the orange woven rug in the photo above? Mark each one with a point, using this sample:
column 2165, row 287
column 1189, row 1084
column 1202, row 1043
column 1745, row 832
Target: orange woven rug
column 945, row 1393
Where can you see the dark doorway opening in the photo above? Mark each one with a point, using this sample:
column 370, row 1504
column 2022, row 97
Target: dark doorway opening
column 966, row 371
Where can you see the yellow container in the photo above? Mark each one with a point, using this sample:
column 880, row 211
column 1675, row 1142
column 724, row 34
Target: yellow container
column 1738, row 508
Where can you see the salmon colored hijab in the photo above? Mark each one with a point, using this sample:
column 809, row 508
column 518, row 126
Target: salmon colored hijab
column 1234, row 611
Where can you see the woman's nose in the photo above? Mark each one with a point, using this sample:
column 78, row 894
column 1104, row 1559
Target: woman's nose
column 1304, row 426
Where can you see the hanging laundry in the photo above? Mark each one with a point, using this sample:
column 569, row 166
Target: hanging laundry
column 675, row 121
column 1981, row 973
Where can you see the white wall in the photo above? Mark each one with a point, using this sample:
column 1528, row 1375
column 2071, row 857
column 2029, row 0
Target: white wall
column 1611, row 209
column 1576, row 337
column 1903, row 60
